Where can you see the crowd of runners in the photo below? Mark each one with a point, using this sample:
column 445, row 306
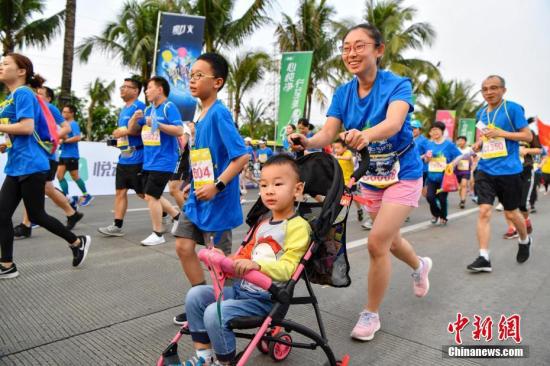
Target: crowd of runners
column 207, row 167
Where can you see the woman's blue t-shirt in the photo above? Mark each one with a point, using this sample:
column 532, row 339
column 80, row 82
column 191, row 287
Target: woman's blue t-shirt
column 25, row 156
column 363, row 113
column 217, row 132
column 446, row 149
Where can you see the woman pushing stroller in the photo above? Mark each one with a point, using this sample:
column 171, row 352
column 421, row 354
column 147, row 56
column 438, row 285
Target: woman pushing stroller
column 275, row 249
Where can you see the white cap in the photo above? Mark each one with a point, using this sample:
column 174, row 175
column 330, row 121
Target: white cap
column 247, row 139
column 261, row 142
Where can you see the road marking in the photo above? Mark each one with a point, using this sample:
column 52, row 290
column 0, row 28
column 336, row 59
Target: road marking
column 143, row 209
column 415, row 227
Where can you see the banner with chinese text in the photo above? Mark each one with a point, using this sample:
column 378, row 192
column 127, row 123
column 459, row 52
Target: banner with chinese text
column 295, row 70
column 179, row 43
column 467, row 127
column 449, row 118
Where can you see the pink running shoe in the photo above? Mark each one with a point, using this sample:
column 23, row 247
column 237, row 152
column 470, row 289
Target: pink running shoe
column 367, row 325
column 421, row 283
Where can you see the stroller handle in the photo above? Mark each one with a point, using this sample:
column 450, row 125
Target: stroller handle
column 363, row 166
column 226, row 264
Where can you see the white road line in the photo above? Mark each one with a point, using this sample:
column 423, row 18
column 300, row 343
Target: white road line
column 142, row 209
column 415, row 227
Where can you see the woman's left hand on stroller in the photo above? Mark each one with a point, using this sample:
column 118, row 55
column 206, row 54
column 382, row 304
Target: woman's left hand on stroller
column 244, row 265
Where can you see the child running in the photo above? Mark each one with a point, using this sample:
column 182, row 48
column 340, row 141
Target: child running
column 275, row 249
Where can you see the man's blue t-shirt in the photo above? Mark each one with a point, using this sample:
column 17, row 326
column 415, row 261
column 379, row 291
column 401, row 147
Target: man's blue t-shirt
column 135, row 142
column 446, row 149
column 264, row 154
column 216, row 131
column 70, row 150
column 420, row 143
column 509, row 116
column 25, row 155
column 161, row 150
column 58, row 118
column 250, row 151
column 363, row 113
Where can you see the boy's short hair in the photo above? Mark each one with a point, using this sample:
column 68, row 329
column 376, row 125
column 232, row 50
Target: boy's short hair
column 71, row 108
column 135, row 82
column 219, row 65
column 462, row 137
column 340, row 141
column 439, row 125
column 283, row 159
column 303, row 122
column 162, row 82
column 49, row 92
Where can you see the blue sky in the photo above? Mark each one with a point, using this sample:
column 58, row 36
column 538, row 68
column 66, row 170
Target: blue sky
column 475, row 38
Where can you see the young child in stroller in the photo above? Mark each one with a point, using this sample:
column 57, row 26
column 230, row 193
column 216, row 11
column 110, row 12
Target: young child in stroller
column 275, row 249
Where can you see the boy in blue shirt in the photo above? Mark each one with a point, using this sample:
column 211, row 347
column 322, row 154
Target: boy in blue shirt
column 219, row 155
column 498, row 173
column 263, row 153
column 68, row 160
column 160, row 126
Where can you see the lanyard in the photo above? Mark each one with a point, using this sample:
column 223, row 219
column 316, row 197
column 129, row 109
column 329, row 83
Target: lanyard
column 494, row 115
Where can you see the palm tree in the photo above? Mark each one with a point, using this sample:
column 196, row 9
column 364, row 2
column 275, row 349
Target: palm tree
column 17, row 29
column 311, row 32
column 401, row 35
column 100, row 95
column 244, row 73
column 256, row 123
column 68, row 51
column 448, row 95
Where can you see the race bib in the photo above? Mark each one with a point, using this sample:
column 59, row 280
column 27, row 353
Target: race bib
column 383, row 170
column 149, row 137
column 464, row 165
column 122, row 142
column 202, row 167
column 494, row 148
column 4, row 137
column 437, row 165
column 262, row 158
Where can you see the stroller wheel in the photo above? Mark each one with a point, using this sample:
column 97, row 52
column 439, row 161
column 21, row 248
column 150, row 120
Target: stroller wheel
column 263, row 346
column 278, row 351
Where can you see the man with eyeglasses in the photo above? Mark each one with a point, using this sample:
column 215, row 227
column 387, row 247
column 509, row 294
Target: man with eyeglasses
column 503, row 125
column 130, row 162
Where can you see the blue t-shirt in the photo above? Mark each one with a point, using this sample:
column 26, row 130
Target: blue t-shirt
column 25, row 156
column 58, row 118
column 446, row 149
column 162, row 157
column 250, row 151
column 362, row 113
column 509, row 117
column 420, row 144
column 70, row 150
column 264, row 154
column 217, row 132
column 136, row 156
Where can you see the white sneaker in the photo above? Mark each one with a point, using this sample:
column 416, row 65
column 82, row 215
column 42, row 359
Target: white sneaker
column 499, row 207
column 367, row 224
column 153, row 239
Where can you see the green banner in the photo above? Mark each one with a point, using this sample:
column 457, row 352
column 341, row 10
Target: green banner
column 295, row 69
column 467, row 127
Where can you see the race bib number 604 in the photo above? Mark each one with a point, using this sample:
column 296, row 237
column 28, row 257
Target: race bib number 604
column 202, row 167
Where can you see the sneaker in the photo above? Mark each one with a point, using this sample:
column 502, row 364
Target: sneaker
column 360, row 215
column 198, row 361
column 86, row 200
column 367, row 225
column 533, row 209
column 22, row 231
column 72, row 220
column 80, row 252
column 434, row 220
column 462, row 204
column 529, row 226
column 73, row 201
column 111, row 230
column 421, row 283
column 510, row 234
column 8, row 272
column 180, row 319
column 153, row 239
column 499, row 207
column 367, row 325
column 174, row 227
column 474, row 199
column 34, row 226
column 480, row 265
column 524, row 250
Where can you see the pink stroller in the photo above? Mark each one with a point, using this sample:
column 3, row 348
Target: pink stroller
column 325, row 263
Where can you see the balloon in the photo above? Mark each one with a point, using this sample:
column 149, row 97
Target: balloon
column 166, row 55
column 182, row 51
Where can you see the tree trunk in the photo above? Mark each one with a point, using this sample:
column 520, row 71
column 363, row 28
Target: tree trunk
column 90, row 122
column 68, row 51
column 237, row 107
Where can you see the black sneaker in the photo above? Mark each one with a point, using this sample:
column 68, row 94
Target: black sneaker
column 480, row 265
column 22, row 232
column 72, row 220
column 80, row 252
column 523, row 251
column 180, row 319
column 462, row 204
column 8, row 272
column 360, row 215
